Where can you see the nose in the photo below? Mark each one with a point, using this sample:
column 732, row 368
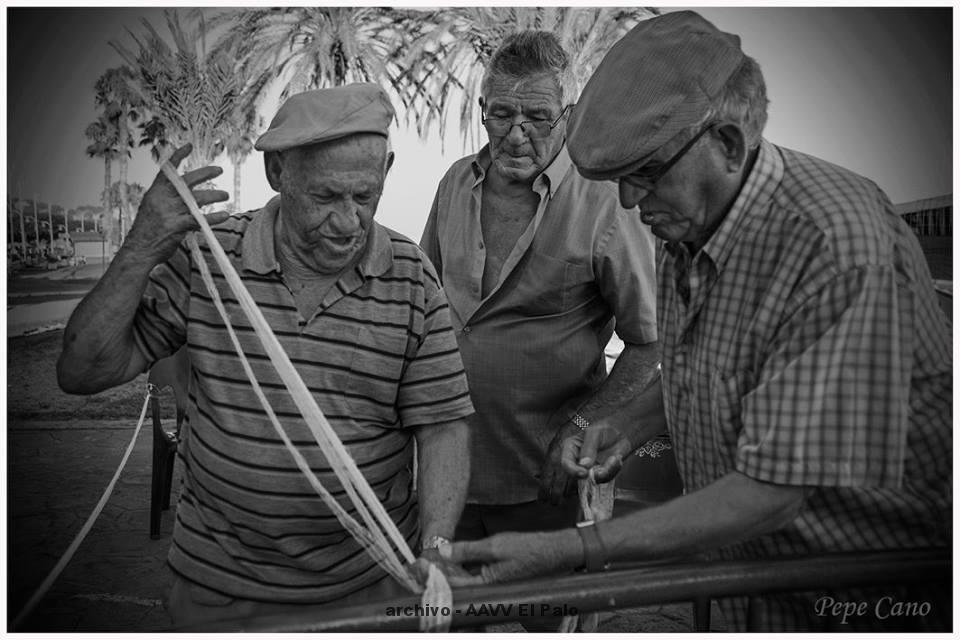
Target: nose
column 631, row 194
column 516, row 135
column 344, row 218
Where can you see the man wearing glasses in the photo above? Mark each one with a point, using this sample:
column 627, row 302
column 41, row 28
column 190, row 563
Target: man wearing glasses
column 538, row 265
column 807, row 370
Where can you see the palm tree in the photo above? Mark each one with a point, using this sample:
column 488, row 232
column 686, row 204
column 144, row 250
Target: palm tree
column 301, row 48
column 154, row 133
column 189, row 92
column 122, row 105
column 133, row 192
column 239, row 135
column 104, row 143
column 448, row 60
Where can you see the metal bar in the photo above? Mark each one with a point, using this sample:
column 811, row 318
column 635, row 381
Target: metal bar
column 627, row 587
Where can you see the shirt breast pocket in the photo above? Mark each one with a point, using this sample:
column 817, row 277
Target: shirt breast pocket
column 549, row 286
column 375, row 374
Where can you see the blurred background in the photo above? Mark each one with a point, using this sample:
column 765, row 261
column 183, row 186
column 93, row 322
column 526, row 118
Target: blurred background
column 94, row 94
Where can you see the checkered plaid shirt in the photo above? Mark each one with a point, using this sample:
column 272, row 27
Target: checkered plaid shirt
column 803, row 345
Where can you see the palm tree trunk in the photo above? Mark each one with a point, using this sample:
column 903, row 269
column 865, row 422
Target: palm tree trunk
column 107, row 224
column 124, row 143
column 237, row 164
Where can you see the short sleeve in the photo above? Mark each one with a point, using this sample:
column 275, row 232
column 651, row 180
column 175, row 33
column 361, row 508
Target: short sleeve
column 160, row 324
column 625, row 264
column 831, row 407
column 433, row 388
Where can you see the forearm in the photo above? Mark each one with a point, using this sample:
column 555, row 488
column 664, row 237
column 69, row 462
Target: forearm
column 98, row 346
column 730, row 510
column 630, row 399
column 443, row 458
column 635, row 370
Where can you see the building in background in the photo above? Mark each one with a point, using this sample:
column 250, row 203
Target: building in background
column 932, row 220
column 90, row 246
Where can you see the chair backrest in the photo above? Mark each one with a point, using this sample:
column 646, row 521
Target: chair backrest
column 174, row 372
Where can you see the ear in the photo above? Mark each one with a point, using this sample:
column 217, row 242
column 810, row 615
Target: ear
column 273, row 165
column 389, row 163
column 734, row 145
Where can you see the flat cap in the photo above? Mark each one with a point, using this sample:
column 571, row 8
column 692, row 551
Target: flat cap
column 328, row 114
column 657, row 80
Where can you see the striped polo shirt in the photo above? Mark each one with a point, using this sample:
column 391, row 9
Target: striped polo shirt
column 379, row 356
column 803, row 345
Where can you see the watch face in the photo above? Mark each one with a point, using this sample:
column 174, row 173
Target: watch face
column 434, row 542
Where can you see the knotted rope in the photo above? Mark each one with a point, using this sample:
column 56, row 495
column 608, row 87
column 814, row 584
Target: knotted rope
column 377, row 526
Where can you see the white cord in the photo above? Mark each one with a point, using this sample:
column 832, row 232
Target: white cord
column 72, row 549
column 361, row 495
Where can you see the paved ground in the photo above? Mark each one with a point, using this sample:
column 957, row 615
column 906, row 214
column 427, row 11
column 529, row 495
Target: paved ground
column 57, row 472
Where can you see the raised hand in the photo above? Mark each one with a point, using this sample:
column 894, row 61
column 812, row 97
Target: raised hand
column 164, row 219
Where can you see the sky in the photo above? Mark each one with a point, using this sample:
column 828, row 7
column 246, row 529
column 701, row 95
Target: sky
column 867, row 88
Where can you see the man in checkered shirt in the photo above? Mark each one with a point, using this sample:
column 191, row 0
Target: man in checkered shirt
column 807, row 368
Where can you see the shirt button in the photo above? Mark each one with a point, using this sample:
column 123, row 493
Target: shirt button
column 466, row 329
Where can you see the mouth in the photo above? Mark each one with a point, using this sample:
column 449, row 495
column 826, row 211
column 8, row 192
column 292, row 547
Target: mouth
column 339, row 243
column 652, row 217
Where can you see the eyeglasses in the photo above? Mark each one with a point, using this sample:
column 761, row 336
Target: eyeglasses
column 648, row 177
column 538, row 128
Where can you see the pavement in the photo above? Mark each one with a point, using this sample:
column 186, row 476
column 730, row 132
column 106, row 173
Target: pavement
column 42, row 300
column 117, row 579
column 57, row 471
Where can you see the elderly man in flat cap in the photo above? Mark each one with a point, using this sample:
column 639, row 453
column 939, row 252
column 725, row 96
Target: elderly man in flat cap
column 359, row 310
column 539, row 264
column 807, row 366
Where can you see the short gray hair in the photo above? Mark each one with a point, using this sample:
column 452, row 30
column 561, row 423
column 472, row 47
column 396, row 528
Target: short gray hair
column 744, row 100
column 532, row 52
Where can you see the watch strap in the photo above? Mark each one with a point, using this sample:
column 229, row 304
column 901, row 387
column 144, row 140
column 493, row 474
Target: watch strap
column 580, row 421
column 594, row 551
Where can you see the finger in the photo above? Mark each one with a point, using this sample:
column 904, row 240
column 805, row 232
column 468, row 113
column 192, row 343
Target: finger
column 569, row 456
column 466, row 580
column 469, row 551
column 209, row 196
column 201, row 175
column 588, row 451
column 179, row 154
column 420, row 570
column 609, row 469
column 216, row 217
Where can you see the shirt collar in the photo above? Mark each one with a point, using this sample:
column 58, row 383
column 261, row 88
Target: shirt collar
column 259, row 255
column 550, row 178
column 757, row 190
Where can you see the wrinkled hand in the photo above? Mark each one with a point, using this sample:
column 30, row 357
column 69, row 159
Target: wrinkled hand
column 599, row 445
column 511, row 556
column 555, row 483
column 420, row 568
column 164, row 219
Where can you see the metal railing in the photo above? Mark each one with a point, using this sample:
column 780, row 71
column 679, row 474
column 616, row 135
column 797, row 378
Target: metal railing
column 625, row 586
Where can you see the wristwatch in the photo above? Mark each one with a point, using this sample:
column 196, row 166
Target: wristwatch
column 433, row 542
column 594, row 551
column 580, row 421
